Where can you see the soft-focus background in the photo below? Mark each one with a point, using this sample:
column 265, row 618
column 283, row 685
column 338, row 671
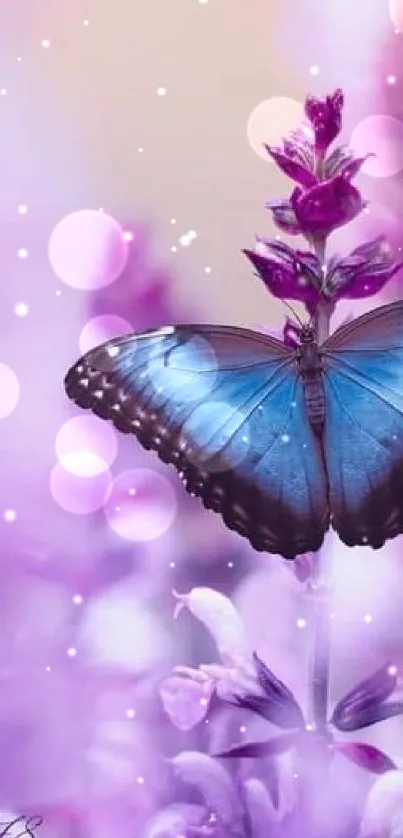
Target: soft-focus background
column 154, row 112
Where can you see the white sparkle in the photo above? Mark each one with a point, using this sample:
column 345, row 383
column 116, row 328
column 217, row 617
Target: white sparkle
column 161, row 91
column 19, row 59
column 204, row 702
column 22, row 253
column 3, row 91
column 392, row 670
column 314, row 70
column 10, row 515
column 203, row 2
column 278, row 237
column 368, row 618
column 173, row 220
column 45, row 43
column 140, row 150
column 113, row 351
column 132, row 492
column 21, row 309
column 185, row 240
column 192, row 235
column 230, row 564
column 22, row 209
column 48, row 669
column 245, row 439
column 140, row 780
column 366, row 210
column 130, row 713
column 207, row 270
column 301, row 623
column 242, row 729
column 128, row 236
column 285, row 438
column 58, row 292
column 71, row 652
column 172, row 565
column 77, row 599
column 174, row 249
column 391, row 79
column 86, row 22
column 308, row 727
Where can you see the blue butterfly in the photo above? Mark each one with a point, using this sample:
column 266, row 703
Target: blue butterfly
column 282, row 442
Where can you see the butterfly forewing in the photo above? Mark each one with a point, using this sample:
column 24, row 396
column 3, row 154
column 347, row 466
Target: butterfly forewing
column 363, row 435
column 225, row 406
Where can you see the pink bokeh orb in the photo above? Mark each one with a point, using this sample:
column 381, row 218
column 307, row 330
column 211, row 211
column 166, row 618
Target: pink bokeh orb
column 100, row 329
column 86, row 446
column 141, row 505
column 9, row 390
column 382, row 136
column 88, row 250
column 79, row 495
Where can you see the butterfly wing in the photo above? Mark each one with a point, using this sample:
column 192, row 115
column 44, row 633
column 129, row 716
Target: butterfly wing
column 225, row 407
column 363, row 436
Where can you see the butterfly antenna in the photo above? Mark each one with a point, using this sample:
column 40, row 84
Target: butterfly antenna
column 297, row 317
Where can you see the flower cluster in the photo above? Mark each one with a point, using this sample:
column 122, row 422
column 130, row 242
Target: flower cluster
column 323, row 200
column 241, row 679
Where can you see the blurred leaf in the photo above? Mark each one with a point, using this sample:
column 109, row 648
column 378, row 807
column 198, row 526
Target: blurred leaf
column 279, row 693
column 275, row 746
column 366, row 756
column 365, row 700
column 371, row 715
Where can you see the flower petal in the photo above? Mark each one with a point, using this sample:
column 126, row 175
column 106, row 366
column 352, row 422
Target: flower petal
column 211, row 780
column 173, row 820
column 299, row 146
column 260, row 807
column 326, row 207
column 185, row 701
column 363, row 273
column 284, row 217
column 220, row 617
column 384, row 806
column 292, row 167
column 277, row 745
column 366, row 756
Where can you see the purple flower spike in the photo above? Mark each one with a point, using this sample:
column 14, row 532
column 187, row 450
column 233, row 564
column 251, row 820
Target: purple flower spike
column 325, row 207
column 288, row 273
column 325, row 118
column 363, row 273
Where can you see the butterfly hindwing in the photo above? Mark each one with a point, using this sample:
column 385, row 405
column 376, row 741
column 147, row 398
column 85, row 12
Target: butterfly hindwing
column 363, row 436
column 225, row 407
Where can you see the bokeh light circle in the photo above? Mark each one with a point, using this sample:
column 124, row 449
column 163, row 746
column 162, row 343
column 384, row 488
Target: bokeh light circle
column 100, row 329
column 396, row 13
column 141, row 505
column 79, row 495
column 9, row 390
column 272, row 120
column 381, row 135
column 88, row 250
column 86, row 446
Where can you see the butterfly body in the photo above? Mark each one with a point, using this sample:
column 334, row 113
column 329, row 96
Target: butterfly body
column 280, row 441
column 310, row 369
